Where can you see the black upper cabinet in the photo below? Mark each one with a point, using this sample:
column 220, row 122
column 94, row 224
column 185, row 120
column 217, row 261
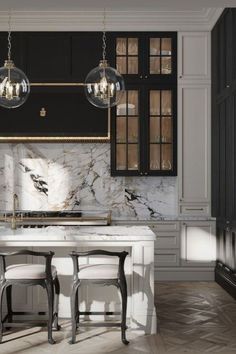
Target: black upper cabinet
column 54, row 57
column 86, row 53
column 224, row 56
column 145, row 57
column 48, row 57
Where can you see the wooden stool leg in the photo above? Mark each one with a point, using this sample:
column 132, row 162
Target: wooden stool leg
column 50, row 293
column 57, row 293
column 77, row 308
column 2, row 288
column 9, row 304
column 123, row 290
column 74, row 310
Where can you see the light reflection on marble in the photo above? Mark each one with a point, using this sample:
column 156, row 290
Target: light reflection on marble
column 73, row 176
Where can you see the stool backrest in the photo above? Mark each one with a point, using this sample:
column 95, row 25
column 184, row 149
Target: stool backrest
column 75, row 258
column 47, row 255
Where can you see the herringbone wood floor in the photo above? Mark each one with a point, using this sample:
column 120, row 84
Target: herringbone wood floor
column 193, row 318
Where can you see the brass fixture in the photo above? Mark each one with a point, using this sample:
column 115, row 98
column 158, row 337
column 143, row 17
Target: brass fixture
column 25, row 219
column 15, row 206
column 43, row 112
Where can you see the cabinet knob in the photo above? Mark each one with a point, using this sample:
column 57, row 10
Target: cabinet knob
column 141, row 173
column 141, row 76
column 146, row 76
column 145, row 173
column 180, row 76
column 227, row 86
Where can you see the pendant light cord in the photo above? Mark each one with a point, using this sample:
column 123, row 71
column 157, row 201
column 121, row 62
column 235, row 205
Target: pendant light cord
column 9, row 36
column 104, row 45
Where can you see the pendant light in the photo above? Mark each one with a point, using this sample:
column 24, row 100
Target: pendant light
column 14, row 84
column 104, row 85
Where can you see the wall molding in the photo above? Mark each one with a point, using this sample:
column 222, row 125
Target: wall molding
column 202, row 20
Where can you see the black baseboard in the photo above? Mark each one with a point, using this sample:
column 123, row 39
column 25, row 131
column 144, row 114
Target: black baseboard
column 225, row 278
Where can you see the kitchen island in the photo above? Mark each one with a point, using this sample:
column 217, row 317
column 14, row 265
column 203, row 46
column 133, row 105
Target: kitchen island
column 139, row 268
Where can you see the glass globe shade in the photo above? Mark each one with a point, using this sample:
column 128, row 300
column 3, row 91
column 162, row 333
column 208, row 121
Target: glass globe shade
column 14, row 86
column 104, row 86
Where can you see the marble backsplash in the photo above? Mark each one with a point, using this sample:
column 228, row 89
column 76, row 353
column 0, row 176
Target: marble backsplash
column 77, row 176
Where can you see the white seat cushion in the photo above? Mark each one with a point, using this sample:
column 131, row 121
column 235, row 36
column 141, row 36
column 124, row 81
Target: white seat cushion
column 27, row 271
column 98, row 271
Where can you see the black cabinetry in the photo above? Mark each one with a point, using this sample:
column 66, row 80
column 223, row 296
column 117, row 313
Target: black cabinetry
column 144, row 122
column 60, row 111
column 224, row 146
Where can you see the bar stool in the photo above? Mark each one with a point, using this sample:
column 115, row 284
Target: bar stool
column 29, row 275
column 104, row 274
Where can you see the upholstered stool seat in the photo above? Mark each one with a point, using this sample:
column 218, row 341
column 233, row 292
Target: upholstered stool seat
column 28, row 271
column 98, row 271
column 104, row 274
column 28, row 274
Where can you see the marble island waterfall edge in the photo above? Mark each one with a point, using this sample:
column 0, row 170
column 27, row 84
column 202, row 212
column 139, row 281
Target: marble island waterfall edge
column 77, row 176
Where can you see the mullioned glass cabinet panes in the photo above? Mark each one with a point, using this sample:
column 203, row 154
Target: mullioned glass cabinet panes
column 143, row 57
column 127, row 55
column 160, row 130
column 127, row 132
column 144, row 123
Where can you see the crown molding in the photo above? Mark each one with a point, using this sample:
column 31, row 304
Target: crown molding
column 115, row 20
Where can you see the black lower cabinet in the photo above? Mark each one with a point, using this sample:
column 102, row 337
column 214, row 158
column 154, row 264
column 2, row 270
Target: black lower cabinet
column 225, row 271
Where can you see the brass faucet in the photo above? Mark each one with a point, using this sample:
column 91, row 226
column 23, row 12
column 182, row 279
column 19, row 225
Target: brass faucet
column 15, row 206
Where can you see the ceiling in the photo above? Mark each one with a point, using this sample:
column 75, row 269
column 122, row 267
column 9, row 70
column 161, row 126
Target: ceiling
column 121, row 15
column 70, row 5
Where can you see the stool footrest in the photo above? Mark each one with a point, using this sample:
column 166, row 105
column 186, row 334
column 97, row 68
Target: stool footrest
column 98, row 313
column 99, row 324
column 28, row 313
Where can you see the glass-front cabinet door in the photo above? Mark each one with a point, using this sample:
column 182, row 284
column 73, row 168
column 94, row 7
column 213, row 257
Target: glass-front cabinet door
column 161, row 132
column 146, row 57
column 144, row 123
column 144, row 135
column 127, row 58
column 127, row 134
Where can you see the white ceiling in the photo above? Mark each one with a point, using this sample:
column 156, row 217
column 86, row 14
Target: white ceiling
column 75, row 5
column 121, row 15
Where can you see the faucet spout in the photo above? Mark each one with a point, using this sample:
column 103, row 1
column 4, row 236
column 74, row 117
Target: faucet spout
column 15, row 206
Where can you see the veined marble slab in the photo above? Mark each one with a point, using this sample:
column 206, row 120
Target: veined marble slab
column 78, row 233
column 77, row 176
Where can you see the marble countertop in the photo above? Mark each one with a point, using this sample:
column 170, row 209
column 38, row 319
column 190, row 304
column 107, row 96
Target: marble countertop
column 78, row 233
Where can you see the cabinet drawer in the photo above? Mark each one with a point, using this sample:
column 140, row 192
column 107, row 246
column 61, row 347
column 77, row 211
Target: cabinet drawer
column 167, row 240
column 165, row 226
column 166, row 258
column 194, row 209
